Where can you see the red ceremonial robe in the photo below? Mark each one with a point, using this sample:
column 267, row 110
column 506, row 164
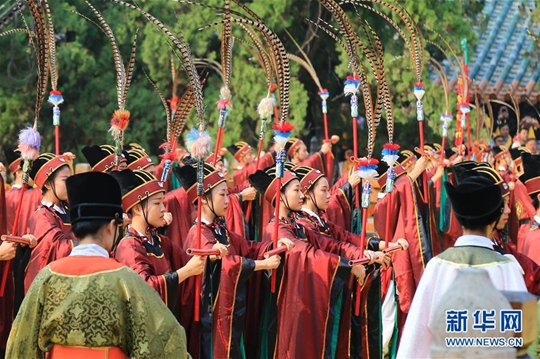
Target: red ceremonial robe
column 406, row 222
column 531, row 269
column 31, row 200
column 524, row 212
column 6, row 301
column 531, row 243
column 51, row 230
column 224, row 327
column 368, row 324
column 241, row 175
column 309, row 289
column 318, row 161
column 234, row 217
column 178, row 204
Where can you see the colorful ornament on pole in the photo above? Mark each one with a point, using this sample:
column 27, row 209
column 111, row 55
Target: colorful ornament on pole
column 265, row 109
column 446, row 118
column 419, row 94
column 282, row 133
column 198, row 143
column 173, row 103
column 390, row 153
column 56, row 98
column 224, row 105
column 29, row 144
column 352, row 85
column 324, row 94
column 419, row 90
column 464, row 108
column 367, row 170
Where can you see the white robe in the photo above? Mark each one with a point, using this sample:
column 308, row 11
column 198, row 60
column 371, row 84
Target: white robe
column 437, row 278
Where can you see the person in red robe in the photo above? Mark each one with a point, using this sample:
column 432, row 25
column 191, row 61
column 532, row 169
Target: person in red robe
column 310, row 283
column 317, row 199
column 531, row 178
column 50, row 223
column 88, row 305
column 298, row 154
column 32, row 196
column 161, row 263
column 243, row 154
column 102, row 158
column 223, row 326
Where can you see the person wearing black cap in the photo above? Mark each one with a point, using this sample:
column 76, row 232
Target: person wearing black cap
column 327, row 273
column 50, row 223
column 162, row 264
column 297, row 153
column 243, row 154
column 87, row 304
column 31, row 197
column 102, row 158
column 230, row 274
column 478, row 204
column 138, row 159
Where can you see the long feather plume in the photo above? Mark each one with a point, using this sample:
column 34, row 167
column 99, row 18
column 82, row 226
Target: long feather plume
column 118, row 61
column 42, row 40
column 182, row 51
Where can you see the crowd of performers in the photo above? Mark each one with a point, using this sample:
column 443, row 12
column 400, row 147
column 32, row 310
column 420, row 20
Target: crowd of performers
column 66, row 294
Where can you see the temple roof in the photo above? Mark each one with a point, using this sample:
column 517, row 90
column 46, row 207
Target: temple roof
column 504, row 59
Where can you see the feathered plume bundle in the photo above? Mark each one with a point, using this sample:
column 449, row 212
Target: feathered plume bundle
column 367, row 168
column 419, row 90
column 224, row 102
column 55, row 98
column 446, row 118
column 390, row 153
column 324, row 94
column 282, row 133
column 29, row 143
column 198, row 143
column 173, row 103
column 351, row 85
column 265, row 109
column 119, row 122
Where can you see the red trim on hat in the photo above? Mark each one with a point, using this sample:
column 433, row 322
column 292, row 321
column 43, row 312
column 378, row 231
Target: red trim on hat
column 141, row 163
column 105, row 164
column 15, row 165
column 500, row 154
column 48, row 169
column 138, row 194
column 294, row 147
column 533, row 185
column 270, row 193
column 309, row 179
column 210, row 181
column 241, row 152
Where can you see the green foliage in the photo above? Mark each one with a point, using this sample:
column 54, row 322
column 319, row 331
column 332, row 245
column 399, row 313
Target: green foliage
column 87, row 78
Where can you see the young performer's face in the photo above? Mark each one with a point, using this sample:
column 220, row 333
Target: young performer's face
column 248, row 158
column 219, row 199
column 58, row 185
column 154, row 208
column 321, row 193
column 292, row 195
column 302, row 153
column 504, row 217
column 122, row 165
